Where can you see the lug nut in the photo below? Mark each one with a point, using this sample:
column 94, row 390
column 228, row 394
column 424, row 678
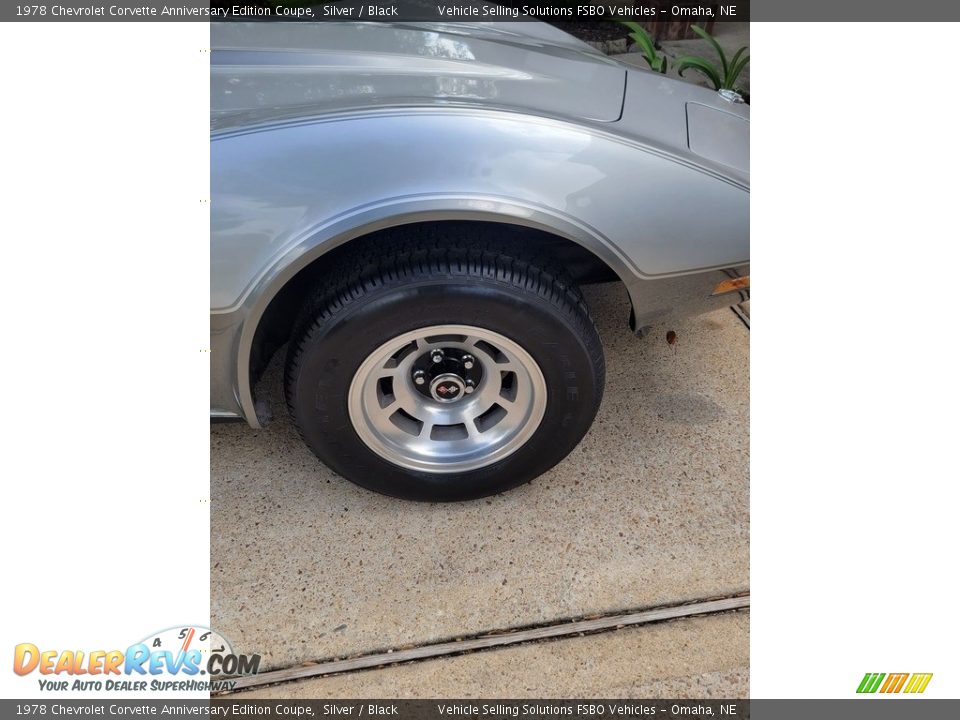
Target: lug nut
column 437, row 356
column 468, row 362
column 419, row 377
column 469, row 387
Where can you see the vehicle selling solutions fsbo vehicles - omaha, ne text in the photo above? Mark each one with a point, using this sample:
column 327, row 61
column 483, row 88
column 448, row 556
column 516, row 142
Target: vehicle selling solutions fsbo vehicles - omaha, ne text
column 412, row 208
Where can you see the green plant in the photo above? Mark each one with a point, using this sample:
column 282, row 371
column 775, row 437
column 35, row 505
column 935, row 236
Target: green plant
column 639, row 34
column 722, row 78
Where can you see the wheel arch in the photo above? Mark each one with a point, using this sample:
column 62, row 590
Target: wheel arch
column 269, row 309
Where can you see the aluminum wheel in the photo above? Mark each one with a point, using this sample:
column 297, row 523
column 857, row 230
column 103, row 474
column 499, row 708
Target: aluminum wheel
column 447, row 398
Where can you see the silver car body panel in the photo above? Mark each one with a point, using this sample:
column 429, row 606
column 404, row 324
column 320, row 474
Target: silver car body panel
column 325, row 133
column 278, row 70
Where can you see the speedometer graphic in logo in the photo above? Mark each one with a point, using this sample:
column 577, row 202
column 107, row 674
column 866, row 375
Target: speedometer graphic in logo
column 198, row 649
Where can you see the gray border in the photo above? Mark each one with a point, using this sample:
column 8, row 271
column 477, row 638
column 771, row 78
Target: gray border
column 755, row 10
column 406, row 10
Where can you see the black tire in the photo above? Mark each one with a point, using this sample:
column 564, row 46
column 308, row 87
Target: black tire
column 401, row 286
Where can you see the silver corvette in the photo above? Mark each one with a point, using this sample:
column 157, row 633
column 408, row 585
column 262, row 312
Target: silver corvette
column 411, row 209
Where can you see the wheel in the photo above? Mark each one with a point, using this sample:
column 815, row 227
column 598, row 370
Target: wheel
column 444, row 373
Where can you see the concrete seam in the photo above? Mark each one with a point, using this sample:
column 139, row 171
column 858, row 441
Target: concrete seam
column 495, row 639
column 741, row 315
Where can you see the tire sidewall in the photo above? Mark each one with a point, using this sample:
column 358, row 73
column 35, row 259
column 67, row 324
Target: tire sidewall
column 320, row 377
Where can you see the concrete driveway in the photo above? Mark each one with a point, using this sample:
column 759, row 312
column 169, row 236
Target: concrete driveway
column 651, row 509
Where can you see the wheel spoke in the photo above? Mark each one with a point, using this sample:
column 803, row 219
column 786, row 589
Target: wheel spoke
column 390, row 408
column 426, row 429
column 481, row 353
column 476, row 410
column 488, row 394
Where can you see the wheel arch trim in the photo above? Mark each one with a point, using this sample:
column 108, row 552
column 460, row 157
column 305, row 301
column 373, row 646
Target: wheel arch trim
column 317, row 242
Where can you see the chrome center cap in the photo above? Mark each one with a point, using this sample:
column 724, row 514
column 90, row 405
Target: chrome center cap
column 447, row 387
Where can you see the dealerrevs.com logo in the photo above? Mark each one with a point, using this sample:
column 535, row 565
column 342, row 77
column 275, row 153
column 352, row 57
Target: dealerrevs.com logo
column 186, row 658
column 911, row 683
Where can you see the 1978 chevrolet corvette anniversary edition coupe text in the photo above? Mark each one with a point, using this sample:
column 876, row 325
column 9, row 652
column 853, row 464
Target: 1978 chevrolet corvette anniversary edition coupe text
column 411, row 209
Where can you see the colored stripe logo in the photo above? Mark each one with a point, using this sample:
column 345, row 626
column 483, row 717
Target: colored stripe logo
column 894, row 682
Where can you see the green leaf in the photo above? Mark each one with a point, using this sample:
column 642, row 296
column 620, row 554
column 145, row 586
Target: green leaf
column 646, row 47
column 657, row 63
column 716, row 46
column 702, row 65
column 737, row 55
column 736, row 69
column 731, row 72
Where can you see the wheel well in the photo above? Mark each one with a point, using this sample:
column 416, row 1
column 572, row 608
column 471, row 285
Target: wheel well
column 279, row 319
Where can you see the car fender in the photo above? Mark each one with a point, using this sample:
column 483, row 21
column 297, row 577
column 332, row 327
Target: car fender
column 287, row 194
